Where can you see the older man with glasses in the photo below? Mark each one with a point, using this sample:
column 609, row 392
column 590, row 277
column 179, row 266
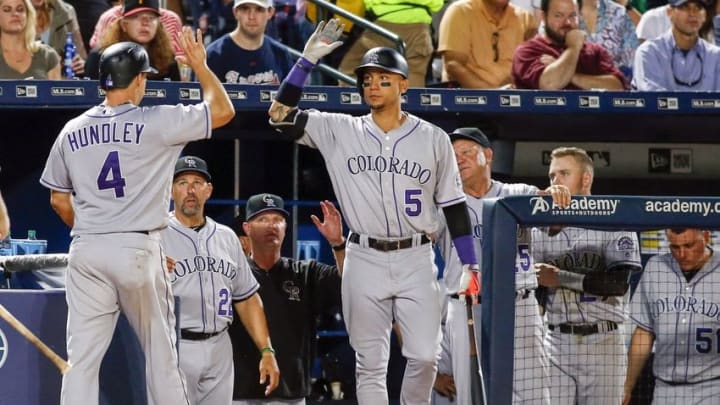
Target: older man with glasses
column 477, row 41
column 680, row 59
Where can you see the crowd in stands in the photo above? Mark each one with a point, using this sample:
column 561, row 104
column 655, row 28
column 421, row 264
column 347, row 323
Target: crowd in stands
column 479, row 44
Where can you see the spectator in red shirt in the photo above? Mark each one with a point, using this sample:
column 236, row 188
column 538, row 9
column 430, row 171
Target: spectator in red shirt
column 560, row 58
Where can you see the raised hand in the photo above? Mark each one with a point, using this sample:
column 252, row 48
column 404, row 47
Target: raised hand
column 331, row 225
column 193, row 47
column 324, row 40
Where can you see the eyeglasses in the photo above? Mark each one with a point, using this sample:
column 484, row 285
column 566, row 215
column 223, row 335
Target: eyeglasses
column 495, row 39
column 685, row 83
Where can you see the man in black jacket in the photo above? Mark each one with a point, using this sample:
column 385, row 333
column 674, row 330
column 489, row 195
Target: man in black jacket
column 294, row 293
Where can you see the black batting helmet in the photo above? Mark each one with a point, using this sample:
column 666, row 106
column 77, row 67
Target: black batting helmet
column 382, row 58
column 121, row 62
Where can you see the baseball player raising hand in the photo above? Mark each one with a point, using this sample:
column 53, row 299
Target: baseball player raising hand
column 109, row 172
column 391, row 172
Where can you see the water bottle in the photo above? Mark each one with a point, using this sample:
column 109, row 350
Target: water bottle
column 69, row 55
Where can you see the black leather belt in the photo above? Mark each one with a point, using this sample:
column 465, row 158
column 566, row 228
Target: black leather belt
column 190, row 335
column 388, row 245
column 462, row 298
column 584, row 329
column 674, row 383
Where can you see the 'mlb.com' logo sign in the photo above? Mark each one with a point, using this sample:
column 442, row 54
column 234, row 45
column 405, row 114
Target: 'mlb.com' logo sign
column 578, row 206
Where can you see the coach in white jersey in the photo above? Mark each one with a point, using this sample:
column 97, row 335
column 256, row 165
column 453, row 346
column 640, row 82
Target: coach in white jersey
column 391, row 172
column 109, row 174
column 212, row 278
column 586, row 273
column 676, row 306
column 474, row 155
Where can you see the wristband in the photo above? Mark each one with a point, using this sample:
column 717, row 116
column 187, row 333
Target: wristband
column 290, row 90
column 267, row 349
column 339, row 247
column 465, row 247
column 573, row 281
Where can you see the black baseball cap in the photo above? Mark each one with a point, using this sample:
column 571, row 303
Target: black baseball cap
column 131, row 7
column 472, row 134
column 264, row 202
column 191, row 164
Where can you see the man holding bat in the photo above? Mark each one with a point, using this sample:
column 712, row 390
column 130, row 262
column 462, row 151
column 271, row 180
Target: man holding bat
column 474, row 155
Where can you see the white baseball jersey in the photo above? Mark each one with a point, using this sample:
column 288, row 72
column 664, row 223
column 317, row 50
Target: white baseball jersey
column 684, row 316
column 118, row 163
column 524, row 273
column 210, row 273
column 581, row 250
column 388, row 185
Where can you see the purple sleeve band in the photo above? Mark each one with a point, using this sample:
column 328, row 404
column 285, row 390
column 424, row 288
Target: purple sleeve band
column 300, row 72
column 465, row 248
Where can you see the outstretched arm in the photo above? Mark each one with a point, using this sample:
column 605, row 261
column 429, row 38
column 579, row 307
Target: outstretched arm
column 331, row 228
column 323, row 41
column 252, row 315
column 214, row 94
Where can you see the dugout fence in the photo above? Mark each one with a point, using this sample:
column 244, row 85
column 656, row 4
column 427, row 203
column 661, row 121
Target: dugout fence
column 503, row 217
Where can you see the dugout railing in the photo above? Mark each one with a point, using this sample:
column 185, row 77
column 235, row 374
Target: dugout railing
column 501, row 219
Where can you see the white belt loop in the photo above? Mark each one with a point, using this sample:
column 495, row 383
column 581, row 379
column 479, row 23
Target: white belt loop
column 364, row 241
column 417, row 239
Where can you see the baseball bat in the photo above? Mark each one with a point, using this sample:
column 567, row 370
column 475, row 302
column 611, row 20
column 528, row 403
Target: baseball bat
column 58, row 361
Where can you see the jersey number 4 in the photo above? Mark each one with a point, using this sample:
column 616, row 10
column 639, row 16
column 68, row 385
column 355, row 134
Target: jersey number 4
column 110, row 176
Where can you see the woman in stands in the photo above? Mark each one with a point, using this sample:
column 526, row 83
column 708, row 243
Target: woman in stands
column 22, row 56
column 139, row 23
column 55, row 18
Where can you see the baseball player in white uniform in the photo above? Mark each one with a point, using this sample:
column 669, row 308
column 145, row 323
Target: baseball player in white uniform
column 109, row 172
column 474, row 155
column 676, row 306
column 391, row 171
column 586, row 273
column 212, row 278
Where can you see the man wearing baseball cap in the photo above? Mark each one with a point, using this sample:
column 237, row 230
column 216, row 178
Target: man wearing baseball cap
column 474, row 155
column 294, row 294
column 679, row 60
column 246, row 55
column 212, row 279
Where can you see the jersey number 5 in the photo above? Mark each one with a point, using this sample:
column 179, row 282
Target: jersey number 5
column 704, row 339
column 413, row 203
column 110, row 175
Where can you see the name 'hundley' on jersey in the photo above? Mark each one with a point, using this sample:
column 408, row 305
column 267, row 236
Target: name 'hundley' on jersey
column 390, row 164
column 107, row 132
column 187, row 266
